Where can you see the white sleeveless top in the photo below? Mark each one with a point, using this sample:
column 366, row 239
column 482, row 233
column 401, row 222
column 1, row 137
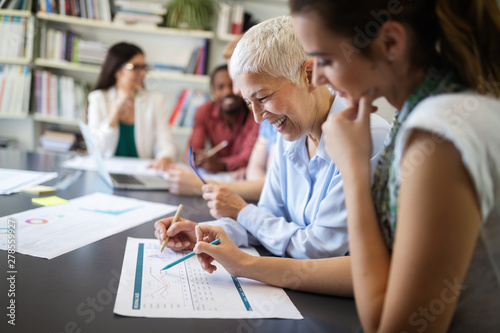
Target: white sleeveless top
column 472, row 123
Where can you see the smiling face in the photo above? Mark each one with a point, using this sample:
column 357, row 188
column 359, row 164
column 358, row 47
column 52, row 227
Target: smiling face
column 222, row 90
column 132, row 79
column 349, row 73
column 288, row 107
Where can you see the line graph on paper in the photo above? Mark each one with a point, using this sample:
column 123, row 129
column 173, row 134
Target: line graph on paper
column 184, row 286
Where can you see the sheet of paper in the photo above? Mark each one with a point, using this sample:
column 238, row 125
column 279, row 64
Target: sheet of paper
column 48, row 232
column 12, row 180
column 124, row 165
column 134, row 166
column 187, row 291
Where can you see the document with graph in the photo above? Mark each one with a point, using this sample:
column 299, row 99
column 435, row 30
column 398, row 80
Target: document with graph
column 187, row 291
column 48, row 232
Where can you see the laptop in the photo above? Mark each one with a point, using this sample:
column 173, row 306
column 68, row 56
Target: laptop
column 118, row 180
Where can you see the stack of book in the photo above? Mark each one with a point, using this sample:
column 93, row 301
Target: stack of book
column 139, row 12
column 15, row 84
column 15, row 4
column 67, row 46
column 90, row 9
column 230, row 19
column 188, row 102
column 60, row 96
column 15, row 41
column 197, row 63
column 57, row 141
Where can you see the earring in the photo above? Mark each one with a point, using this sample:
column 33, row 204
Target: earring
column 390, row 57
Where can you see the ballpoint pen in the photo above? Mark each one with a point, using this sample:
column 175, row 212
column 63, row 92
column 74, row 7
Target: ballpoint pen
column 187, row 256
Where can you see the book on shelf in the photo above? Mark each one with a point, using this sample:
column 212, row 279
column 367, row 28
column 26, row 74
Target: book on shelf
column 57, row 141
column 230, row 19
column 17, row 36
column 144, row 13
column 197, row 63
column 15, row 84
column 67, row 46
column 15, row 4
column 167, row 68
column 59, row 96
column 89, row 9
column 185, row 108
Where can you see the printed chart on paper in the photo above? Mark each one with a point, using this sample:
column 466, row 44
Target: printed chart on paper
column 187, row 291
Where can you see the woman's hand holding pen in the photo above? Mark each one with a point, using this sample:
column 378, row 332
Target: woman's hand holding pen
column 182, row 233
column 226, row 253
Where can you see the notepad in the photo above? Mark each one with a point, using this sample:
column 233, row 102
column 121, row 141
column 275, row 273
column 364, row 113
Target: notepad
column 49, row 201
column 39, row 190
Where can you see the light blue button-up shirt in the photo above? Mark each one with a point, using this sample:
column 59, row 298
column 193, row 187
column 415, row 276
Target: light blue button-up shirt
column 301, row 212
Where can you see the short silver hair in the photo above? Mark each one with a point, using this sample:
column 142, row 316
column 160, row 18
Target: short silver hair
column 271, row 48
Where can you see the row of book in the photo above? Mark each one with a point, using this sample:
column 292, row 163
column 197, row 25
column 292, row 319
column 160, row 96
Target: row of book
column 142, row 13
column 67, row 46
column 90, row 9
column 60, row 96
column 119, row 11
column 230, row 20
column 15, row 84
column 197, row 63
column 16, row 4
column 57, row 141
column 185, row 108
column 16, row 36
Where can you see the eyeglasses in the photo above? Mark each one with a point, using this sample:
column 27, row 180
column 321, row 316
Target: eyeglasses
column 192, row 159
column 136, row 67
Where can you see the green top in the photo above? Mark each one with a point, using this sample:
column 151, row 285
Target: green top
column 126, row 141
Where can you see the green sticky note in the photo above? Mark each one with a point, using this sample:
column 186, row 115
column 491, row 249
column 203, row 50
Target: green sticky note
column 49, row 201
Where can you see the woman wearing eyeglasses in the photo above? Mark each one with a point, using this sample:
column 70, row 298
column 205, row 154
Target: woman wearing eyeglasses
column 126, row 119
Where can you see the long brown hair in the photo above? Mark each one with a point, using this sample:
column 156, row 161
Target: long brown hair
column 461, row 34
column 118, row 55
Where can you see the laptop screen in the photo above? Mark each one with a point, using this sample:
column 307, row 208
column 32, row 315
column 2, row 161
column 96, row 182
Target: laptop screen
column 95, row 153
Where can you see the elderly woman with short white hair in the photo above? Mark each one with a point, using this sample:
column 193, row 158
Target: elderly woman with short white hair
column 301, row 212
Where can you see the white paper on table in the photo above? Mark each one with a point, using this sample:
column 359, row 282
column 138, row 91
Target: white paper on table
column 135, row 166
column 187, row 291
column 123, row 165
column 12, row 180
column 48, row 232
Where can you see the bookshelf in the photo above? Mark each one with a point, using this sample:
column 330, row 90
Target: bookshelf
column 160, row 44
column 15, row 75
column 157, row 43
column 124, row 28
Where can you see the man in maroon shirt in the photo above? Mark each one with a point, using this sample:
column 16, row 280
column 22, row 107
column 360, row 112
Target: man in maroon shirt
column 225, row 118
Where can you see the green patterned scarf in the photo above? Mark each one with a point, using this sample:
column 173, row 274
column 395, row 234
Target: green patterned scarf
column 385, row 189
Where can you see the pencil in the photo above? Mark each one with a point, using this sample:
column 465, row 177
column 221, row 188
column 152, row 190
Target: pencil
column 187, row 256
column 213, row 151
column 173, row 221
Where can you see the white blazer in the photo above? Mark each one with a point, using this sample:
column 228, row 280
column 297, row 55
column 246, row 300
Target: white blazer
column 153, row 138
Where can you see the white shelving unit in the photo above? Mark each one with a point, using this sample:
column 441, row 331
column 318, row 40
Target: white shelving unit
column 15, row 61
column 19, row 127
column 160, row 45
column 121, row 27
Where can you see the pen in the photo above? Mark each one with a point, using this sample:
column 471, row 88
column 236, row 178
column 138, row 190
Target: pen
column 192, row 158
column 173, row 221
column 214, row 150
column 187, row 256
